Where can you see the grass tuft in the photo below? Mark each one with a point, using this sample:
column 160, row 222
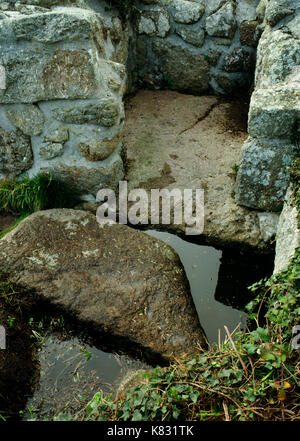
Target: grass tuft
column 39, row 193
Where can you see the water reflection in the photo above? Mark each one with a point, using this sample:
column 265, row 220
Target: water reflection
column 203, row 266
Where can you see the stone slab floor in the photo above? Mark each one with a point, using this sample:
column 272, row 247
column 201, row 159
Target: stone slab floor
column 175, row 140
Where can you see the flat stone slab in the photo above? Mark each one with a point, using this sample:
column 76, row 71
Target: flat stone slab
column 182, row 141
column 123, row 283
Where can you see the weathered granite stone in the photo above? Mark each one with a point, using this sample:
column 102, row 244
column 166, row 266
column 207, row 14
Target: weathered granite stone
column 239, row 60
column 154, row 22
column 246, row 10
column 187, row 11
column 273, row 111
column 268, row 223
column 89, row 179
column 28, row 118
column 228, row 83
column 54, row 134
column 261, row 10
column 106, row 113
column 277, row 54
column 51, row 150
column 213, row 5
column 263, row 176
column 146, row 25
column 222, row 23
column 116, row 30
column 223, row 41
column 294, row 26
column 186, row 70
column 63, row 24
column 248, row 34
column 288, row 234
column 120, row 281
column 100, row 149
column 33, row 75
column 213, row 56
column 15, row 153
column 69, row 74
column 29, row 9
column 195, row 37
column 276, row 12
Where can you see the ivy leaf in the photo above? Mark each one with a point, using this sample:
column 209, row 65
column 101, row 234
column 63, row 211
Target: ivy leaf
column 176, row 412
column 194, row 396
column 226, row 372
column 261, row 334
column 137, row 416
column 250, row 348
column 268, row 356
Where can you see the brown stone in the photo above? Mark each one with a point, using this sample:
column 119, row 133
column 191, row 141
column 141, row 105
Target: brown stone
column 98, row 151
column 127, row 286
column 248, row 35
column 69, row 74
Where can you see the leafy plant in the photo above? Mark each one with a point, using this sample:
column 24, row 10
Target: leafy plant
column 235, row 168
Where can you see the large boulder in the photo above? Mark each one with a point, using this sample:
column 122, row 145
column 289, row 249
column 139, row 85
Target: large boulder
column 274, row 110
column 263, row 176
column 278, row 54
column 122, row 282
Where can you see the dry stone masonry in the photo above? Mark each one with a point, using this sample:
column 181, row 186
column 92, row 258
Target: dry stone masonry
column 65, row 66
column 64, row 80
column 274, row 114
column 196, row 46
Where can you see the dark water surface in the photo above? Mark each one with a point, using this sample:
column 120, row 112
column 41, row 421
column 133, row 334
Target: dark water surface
column 202, row 264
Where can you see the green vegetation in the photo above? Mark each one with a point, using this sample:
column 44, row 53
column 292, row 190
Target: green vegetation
column 235, row 168
column 39, row 193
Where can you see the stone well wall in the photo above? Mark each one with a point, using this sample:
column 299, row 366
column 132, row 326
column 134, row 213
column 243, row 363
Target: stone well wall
column 196, row 46
column 274, row 116
column 63, row 77
column 65, row 66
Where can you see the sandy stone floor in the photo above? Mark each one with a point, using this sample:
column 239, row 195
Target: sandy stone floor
column 182, row 141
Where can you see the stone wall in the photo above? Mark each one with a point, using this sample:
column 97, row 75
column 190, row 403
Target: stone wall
column 62, row 79
column 65, row 66
column 196, row 46
column 274, row 116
